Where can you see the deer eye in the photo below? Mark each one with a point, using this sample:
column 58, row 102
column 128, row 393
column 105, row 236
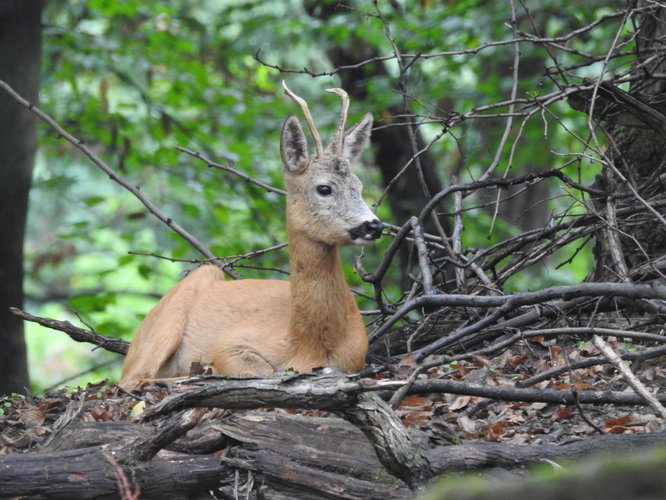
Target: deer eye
column 324, row 190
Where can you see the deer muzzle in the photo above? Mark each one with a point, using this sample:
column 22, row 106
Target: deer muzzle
column 368, row 231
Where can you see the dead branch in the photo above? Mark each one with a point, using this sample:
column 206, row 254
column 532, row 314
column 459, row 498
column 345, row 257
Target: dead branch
column 144, row 449
column 559, row 42
column 342, row 395
column 631, row 379
column 499, row 393
column 345, row 396
column 509, row 303
column 596, row 360
column 85, row 473
column 77, row 334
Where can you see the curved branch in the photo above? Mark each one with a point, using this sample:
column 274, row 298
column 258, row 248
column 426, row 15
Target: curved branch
column 111, row 344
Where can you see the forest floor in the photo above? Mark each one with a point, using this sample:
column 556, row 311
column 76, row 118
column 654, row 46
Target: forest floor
column 26, row 423
column 445, row 418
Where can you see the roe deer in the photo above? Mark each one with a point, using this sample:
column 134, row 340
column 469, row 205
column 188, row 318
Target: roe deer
column 259, row 327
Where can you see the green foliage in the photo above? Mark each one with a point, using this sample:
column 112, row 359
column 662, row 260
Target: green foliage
column 134, row 79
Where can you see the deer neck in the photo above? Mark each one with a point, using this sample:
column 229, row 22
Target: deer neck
column 322, row 305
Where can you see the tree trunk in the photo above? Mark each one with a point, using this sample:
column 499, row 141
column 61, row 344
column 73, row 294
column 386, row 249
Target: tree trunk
column 20, row 27
column 638, row 159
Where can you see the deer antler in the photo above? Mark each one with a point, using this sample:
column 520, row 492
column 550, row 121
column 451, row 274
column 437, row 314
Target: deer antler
column 336, row 145
column 308, row 118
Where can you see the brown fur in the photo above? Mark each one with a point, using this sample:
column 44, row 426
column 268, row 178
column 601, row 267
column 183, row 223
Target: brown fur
column 259, row 327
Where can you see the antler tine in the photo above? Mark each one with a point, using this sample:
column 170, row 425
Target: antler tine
column 308, row 118
column 340, row 131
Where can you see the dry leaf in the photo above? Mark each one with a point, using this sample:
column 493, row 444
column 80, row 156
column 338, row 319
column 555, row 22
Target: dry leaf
column 415, row 419
column 32, row 416
column 556, row 355
column 516, row 360
column 563, row 414
column 415, row 401
column 496, row 431
column 466, row 424
column 460, row 402
column 617, row 421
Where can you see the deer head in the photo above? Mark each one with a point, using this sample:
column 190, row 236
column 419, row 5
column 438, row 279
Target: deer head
column 324, row 197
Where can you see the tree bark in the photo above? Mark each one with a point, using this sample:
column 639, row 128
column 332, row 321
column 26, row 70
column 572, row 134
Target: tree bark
column 637, row 157
column 289, row 456
column 89, row 473
column 20, row 27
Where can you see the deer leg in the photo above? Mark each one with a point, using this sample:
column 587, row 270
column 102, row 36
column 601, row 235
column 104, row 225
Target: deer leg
column 243, row 360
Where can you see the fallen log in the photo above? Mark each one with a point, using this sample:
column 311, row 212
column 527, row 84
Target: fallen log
column 90, row 473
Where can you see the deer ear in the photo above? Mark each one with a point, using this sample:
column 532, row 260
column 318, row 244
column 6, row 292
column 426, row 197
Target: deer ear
column 356, row 138
column 293, row 146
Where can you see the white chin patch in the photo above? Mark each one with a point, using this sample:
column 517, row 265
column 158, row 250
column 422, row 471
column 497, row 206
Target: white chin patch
column 362, row 241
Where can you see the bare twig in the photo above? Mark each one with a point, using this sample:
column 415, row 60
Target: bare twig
column 614, row 243
column 81, row 373
column 125, row 489
column 649, row 353
column 631, row 379
column 210, row 163
column 558, row 41
column 111, row 344
column 514, row 92
column 143, row 449
column 509, row 303
column 456, row 240
column 422, row 252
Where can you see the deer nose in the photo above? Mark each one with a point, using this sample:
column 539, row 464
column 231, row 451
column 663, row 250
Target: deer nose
column 374, row 228
column 369, row 230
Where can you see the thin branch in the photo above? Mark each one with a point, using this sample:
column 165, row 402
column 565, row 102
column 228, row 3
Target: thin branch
column 649, row 353
column 557, row 41
column 631, row 379
column 110, row 344
column 508, row 303
column 514, row 93
column 211, row 164
column 143, row 449
column 422, row 252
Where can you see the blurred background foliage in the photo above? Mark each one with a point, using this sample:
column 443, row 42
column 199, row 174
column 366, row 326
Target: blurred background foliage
column 135, row 79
